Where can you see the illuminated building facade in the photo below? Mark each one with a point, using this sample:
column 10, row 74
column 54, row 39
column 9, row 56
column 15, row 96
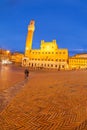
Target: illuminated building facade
column 79, row 61
column 4, row 54
column 48, row 56
column 16, row 57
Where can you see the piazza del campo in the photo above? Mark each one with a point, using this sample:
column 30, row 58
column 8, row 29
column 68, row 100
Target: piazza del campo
column 54, row 97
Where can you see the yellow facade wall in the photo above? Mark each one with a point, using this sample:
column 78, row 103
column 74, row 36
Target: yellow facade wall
column 77, row 63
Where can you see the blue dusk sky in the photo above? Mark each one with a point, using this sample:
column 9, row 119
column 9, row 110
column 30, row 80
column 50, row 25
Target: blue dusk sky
column 63, row 20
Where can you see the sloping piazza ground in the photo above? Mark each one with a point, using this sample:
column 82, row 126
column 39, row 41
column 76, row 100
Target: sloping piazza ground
column 48, row 101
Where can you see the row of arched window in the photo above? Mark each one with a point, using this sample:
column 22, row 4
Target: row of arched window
column 46, row 65
column 59, row 60
column 35, row 52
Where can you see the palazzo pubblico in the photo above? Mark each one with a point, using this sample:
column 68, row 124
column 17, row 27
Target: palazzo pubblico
column 49, row 55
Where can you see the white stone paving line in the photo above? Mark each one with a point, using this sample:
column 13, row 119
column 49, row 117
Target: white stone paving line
column 7, row 94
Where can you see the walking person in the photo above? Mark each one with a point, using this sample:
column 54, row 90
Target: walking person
column 26, row 73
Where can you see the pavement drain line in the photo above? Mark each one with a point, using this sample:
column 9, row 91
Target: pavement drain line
column 7, row 95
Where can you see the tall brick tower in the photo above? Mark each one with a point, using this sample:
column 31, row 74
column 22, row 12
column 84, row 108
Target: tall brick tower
column 29, row 38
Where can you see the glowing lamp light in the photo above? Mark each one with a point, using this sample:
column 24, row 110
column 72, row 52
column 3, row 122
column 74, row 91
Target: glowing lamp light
column 8, row 51
column 6, row 62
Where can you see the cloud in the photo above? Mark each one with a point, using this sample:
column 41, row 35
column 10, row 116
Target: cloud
column 78, row 50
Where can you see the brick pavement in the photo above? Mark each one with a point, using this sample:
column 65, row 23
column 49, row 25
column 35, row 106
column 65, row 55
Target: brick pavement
column 10, row 75
column 49, row 101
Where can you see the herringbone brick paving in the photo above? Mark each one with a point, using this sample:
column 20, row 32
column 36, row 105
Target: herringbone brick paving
column 49, row 101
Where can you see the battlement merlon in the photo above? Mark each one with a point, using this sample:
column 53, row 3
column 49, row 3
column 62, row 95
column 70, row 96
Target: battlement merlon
column 31, row 26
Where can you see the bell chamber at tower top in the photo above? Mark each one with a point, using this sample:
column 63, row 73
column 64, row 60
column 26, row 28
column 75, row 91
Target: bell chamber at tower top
column 31, row 26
